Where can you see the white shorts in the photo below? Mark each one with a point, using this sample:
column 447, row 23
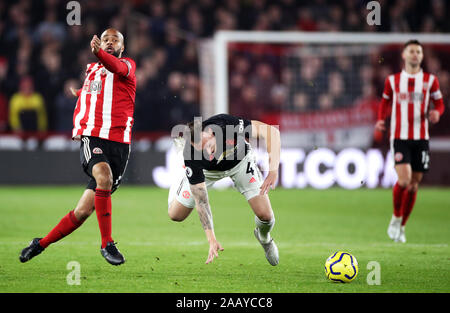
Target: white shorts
column 246, row 176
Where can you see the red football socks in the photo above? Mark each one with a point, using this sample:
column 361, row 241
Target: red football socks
column 66, row 226
column 103, row 210
column 408, row 201
column 398, row 193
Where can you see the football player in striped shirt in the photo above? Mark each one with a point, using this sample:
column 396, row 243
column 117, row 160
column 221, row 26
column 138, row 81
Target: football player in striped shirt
column 407, row 96
column 103, row 119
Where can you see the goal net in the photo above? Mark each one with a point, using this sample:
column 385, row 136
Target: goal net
column 322, row 89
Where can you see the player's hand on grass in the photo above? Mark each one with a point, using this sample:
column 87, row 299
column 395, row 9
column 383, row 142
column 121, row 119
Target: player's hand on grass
column 434, row 116
column 269, row 182
column 95, row 44
column 380, row 126
column 214, row 248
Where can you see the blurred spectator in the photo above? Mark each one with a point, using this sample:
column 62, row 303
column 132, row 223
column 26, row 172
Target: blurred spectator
column 336, row 89
column 195, row 21
column 301, row 102
column 262, row 81
column 50, row 80
column 325, row 102
column 50, row 29
column 64, row 106
column 189, row 62
column 74, row 44
column 27, row 109
column 157, row 21
column 399, row 23
column 439, row 11
column 3, row 112
column 247, row 105
column 306, row 21
column 3, row 96
column 279, row 98
column 173, row 107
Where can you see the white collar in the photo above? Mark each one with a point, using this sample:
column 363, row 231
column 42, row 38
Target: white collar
column 404, row 72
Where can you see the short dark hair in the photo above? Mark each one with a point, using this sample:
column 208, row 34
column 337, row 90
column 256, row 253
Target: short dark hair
column 411, row 42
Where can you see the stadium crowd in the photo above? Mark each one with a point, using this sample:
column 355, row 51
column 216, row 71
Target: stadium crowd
column 41, row 56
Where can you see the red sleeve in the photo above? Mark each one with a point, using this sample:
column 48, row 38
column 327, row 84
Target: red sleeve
column 436, row 96
column 79, row 92
column 124, row 67
column 386, row 100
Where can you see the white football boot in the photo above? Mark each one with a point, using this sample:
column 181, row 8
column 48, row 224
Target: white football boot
column 393, row 230
column 401, row 235
column 270, row 249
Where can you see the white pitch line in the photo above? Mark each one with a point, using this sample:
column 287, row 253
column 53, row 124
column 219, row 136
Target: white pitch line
column 255, row 243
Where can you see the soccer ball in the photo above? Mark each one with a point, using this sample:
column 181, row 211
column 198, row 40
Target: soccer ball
column 341, row 267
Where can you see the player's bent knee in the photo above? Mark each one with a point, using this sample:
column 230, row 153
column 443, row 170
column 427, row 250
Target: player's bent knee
column 175, row 217
column 178, row 212
column 104, row 181
column 103, row 175
column 413, row 187
column 404, row 183
column 82, row 213
column 265, row 216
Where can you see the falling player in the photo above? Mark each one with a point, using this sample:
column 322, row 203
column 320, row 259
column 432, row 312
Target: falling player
column 217, row 148
column 103, row 119
column 409, row 93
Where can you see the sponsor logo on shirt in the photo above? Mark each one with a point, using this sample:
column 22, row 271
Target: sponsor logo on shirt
column 93, row 86
column 410, row 96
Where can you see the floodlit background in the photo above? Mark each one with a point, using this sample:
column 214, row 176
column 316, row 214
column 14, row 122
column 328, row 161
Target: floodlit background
column 323, row 95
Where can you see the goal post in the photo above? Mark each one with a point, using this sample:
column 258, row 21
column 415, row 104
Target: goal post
column 223, row 38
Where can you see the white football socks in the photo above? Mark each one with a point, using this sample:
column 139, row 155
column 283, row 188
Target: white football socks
column 264, row 228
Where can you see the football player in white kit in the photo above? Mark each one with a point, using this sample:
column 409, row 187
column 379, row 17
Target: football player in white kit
column 217, row 148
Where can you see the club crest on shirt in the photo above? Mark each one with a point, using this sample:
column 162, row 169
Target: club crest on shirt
column 188, row 171
column 97, row 150
column 398, row 156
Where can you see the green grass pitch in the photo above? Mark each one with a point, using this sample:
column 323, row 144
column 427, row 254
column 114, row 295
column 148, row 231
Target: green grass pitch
column 166, row 256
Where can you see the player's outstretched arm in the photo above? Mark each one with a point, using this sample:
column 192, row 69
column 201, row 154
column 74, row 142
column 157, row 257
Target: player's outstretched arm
column 272, row 140
column 204, row 212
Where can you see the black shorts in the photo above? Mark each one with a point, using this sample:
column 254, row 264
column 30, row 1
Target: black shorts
column 94, row 150
column 414, row 152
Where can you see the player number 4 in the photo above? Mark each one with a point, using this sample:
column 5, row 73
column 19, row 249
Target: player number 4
column 249, row 169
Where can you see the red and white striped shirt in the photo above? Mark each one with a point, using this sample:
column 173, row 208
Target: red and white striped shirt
column 105, row 103
column 409, row 95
